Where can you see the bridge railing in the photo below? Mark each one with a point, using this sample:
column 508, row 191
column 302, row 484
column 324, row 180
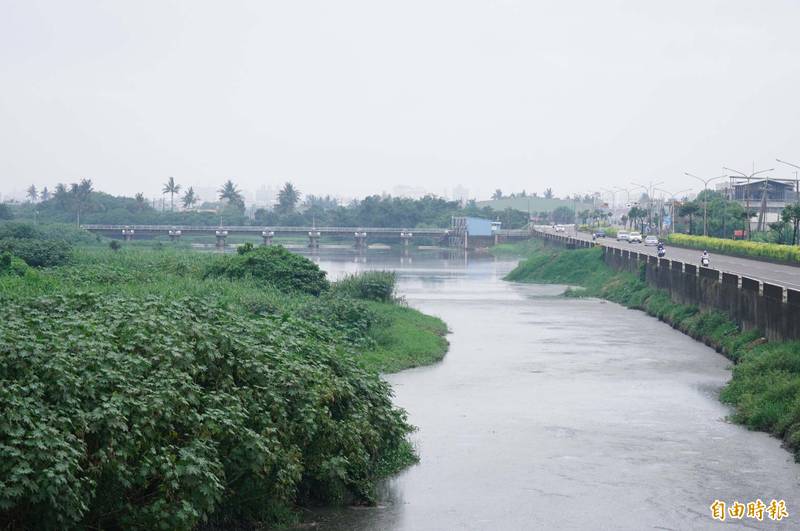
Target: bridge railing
column 258, row 229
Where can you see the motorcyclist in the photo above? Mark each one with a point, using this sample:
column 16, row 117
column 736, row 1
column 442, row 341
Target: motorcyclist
column 705, row 258
column 660, row 249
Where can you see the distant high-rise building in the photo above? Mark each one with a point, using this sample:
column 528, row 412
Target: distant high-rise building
column 461, row 194
column 413, row 192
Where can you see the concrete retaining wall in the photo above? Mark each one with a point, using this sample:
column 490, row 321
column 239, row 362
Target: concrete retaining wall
column 772, row 309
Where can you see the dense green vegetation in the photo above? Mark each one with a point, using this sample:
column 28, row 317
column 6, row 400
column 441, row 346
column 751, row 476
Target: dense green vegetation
column 274, row 264
column 80, row 201
column 765, row 388
column 772, row 251
column 139, row 390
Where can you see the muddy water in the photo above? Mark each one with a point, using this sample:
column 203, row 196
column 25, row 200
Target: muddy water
column 551, row 413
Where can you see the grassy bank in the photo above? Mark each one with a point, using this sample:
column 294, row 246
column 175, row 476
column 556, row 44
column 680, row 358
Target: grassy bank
column 765, row 387
column 161, row 388
column 408, row 338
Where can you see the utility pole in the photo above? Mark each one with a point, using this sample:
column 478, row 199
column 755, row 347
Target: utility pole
column 747, row 190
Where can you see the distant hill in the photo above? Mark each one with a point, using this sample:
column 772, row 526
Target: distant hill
column 535, row 204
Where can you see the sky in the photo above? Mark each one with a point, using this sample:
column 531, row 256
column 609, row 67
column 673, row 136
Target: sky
column 357, row 97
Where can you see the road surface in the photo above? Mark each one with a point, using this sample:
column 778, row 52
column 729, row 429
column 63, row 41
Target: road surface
column 782, row 275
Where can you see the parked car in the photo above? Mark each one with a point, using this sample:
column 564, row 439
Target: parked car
column 560, row 228
column 600, row 234
column 635, row 237
column 651, row 240
column 622, row 236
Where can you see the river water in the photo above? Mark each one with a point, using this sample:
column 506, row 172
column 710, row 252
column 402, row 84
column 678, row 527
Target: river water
column 555, row 413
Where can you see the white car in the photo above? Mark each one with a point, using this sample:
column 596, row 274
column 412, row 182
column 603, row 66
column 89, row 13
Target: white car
column 635, row 237
column 622, row 236
column 560, row 228
column 651, row 240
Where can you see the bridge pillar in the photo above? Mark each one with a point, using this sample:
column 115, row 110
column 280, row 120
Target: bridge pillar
column 127, row 234
column 267, row 235
column 221, row 235
column 313, row 239
column 361, row 239
column 174, row 235
column 406, row 236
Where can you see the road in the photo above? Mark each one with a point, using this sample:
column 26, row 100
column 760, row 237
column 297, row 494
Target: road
column 782, row 275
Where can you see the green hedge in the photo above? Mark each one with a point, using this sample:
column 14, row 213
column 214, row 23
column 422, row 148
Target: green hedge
column 772, row 251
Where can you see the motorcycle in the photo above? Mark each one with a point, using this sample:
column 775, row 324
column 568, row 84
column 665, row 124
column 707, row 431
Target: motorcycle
column 661, row 252
column 704, row 261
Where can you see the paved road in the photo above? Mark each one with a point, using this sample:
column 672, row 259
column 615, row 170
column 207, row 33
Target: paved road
column 783, row 275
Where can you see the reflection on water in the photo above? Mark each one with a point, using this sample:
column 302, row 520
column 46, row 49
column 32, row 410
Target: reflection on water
column 555, row 413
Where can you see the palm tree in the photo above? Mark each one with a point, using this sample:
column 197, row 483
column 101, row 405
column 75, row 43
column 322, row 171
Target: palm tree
column 61, row 195
column 232, row 194
column 171, row 188
column 45, row 195
column 288, row 198
column 548, row 194
column 189, row 198
column 80, row 193
column 33, row 194
column 141, row 202
column 498, row 194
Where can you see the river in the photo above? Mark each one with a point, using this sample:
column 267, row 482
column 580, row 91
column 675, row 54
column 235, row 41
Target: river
column 556, row 413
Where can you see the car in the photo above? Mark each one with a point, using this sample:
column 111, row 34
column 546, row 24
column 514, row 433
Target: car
column 560, row 228
column 651, row 240
column 635, row 237
column 600, row 234
column 622, row 236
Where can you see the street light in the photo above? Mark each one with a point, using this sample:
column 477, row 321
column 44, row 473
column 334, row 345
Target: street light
column 649, row 191
column 747, row 191
column 672, row 204
column 705, row 197
column 796, row 178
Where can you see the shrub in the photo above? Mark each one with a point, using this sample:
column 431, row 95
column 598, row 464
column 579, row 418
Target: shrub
column 246, row 248
column 114, row 245
column 37, row 253
column 11, row 265
column 350, row 318
column 274, row 265
column 21, row 230
column 368, row 285
column 772, row 251
column 159, row 413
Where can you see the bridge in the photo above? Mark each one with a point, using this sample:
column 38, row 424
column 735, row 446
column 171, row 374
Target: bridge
column 359, row 234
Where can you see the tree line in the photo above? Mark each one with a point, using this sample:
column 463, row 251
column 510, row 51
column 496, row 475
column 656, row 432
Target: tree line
column 80, row 203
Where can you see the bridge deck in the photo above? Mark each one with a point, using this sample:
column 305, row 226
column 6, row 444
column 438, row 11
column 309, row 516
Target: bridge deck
column 252, row 229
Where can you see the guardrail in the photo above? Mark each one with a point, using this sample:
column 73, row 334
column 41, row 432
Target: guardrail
column 753, row 304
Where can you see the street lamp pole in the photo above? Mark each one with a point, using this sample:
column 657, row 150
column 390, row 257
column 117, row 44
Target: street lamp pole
column 649, row 191
column 672, row 205
column 747, row 191
column 796, row 178
column 705, row 197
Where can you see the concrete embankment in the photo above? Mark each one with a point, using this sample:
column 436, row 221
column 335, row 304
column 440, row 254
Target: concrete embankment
column 752, row 304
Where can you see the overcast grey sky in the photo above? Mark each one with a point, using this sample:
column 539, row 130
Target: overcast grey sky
column 355, row 97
